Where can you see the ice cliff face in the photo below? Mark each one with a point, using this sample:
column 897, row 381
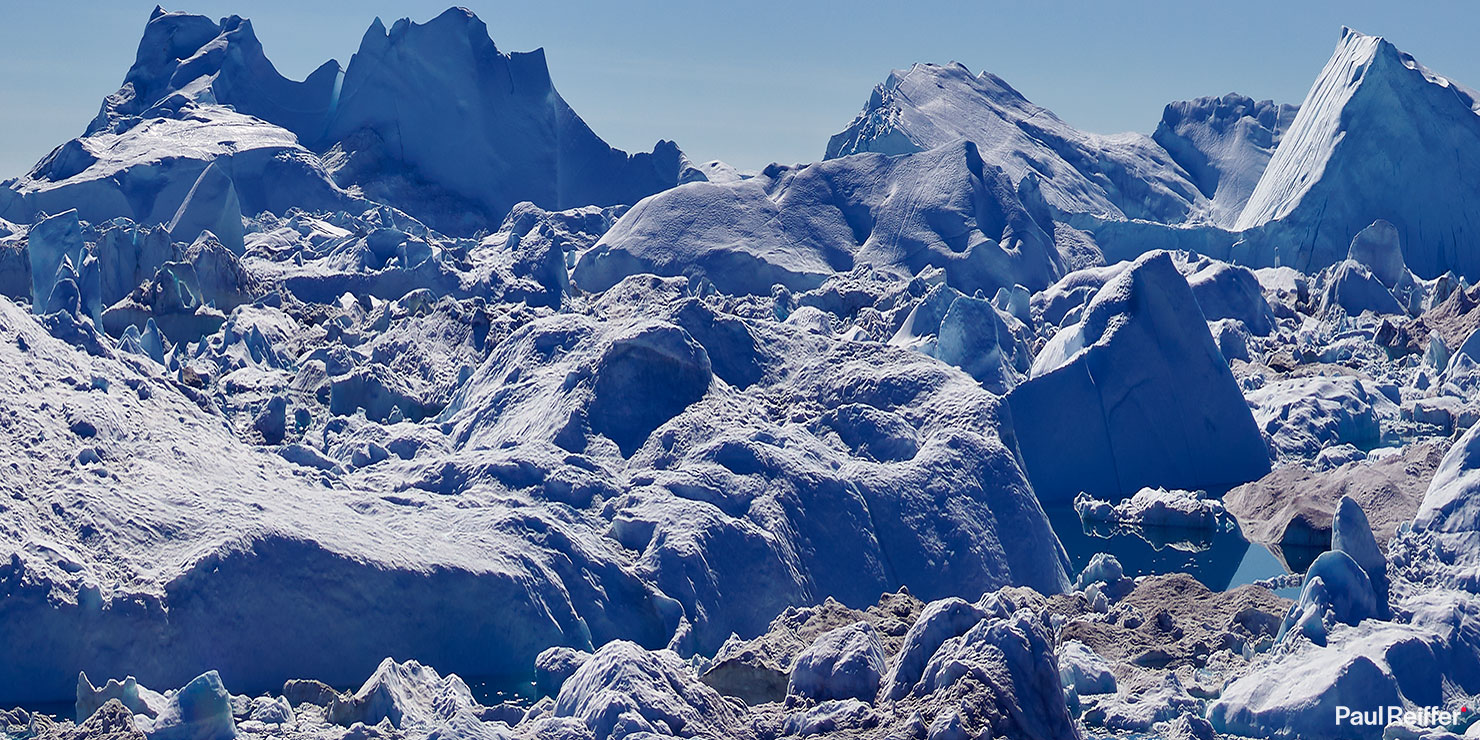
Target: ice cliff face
column 1378, row 137
column 1224, row 145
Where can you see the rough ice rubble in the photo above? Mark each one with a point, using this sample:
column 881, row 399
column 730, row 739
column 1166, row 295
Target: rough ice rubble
column 758, row 670
column 1340, row 650
column 993, row 672
column 709, row 474
column 1083, row 671
column 624, row 690
column 898, row 427
column 971, row 334
column 1168, row 642
column 1139, row 393
column 226, row 519
column 1303, row 416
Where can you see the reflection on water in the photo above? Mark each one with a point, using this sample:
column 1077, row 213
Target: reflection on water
column 1297, row 558
column 1218, row 560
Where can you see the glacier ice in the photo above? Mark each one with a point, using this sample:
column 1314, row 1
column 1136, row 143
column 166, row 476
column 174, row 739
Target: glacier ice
column 1225, row 291
column 846, row 663
column 1082, row 670
column 1132, row 394
column 928, row 105
column 1354, row 289
column 56, row 248
column 200, row 710
column 402, row 360
column 623, row 690
column 1336, row 169
column 1157, row 508
column 943, row 207
column 553, row 666
column 128, row 692
column 1352, row 535
column 1302, row 416
column 1379, row 249
column 1224, row 144
column 211, row 205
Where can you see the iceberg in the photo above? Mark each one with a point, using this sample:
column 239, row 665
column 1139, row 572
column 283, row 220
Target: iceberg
column 1337, row 168
column 795, row 226
column 1224, row 143
column 1135, row 394
column 846, row 663
column 486, row 130
column 928, row 105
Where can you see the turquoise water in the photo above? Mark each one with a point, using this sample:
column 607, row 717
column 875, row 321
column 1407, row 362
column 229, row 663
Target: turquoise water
column 1219, row 561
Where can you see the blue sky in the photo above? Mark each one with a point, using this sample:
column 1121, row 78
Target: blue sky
column 762, row 80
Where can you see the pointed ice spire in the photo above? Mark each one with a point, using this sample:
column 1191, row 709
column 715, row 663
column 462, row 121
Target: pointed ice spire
column 1351, row 534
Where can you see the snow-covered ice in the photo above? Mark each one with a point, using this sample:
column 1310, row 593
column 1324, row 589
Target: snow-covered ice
column 1135, row 394
column 399, row 402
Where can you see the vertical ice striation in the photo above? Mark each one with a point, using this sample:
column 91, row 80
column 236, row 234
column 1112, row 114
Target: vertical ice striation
column 1378, row 137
